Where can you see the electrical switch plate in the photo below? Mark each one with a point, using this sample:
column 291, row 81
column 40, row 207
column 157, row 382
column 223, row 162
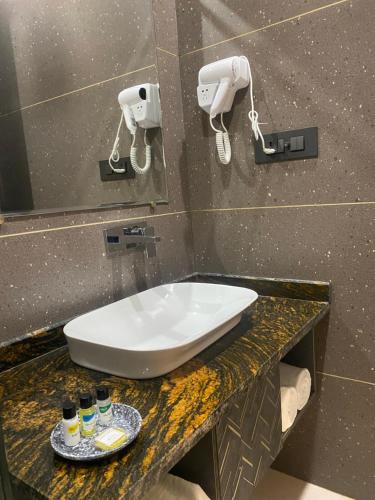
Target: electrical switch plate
column 297, row 143
column 107, row 174
column 289, row 145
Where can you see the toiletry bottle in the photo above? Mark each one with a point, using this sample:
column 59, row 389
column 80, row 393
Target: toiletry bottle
column 70, row 424
column 87, row 415
column 104, row 404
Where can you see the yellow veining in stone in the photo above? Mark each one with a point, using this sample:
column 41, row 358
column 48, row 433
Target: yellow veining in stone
column 208, row 400
column 151, row 451
column 124, row 487
column 186, row 397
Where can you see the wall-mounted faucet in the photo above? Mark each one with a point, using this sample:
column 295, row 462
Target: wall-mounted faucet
column 121, row 238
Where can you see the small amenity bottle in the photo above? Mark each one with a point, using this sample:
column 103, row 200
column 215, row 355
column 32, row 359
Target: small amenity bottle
column 87, row 415
column 70, row 424
column 104, row 404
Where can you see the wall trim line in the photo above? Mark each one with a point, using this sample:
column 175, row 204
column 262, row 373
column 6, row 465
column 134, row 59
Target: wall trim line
column 346, row 378
column 167, row 52
column 186, row 212
column 92, row 224
column 279, row 207
column 24, row 108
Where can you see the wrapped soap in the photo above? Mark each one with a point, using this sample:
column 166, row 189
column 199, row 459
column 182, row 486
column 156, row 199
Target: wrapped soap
column 111, row 438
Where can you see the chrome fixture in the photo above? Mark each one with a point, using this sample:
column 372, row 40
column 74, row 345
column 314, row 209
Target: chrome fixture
column 121, row 238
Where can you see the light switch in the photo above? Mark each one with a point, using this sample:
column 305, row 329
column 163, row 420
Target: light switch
column 297, row 143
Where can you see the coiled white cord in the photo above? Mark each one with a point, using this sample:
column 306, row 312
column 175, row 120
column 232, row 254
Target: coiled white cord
column 133, row 156
column 115, row 154
column 223, row 146
column 254, row 118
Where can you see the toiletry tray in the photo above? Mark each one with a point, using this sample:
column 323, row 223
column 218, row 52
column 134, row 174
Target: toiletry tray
column 124, row 416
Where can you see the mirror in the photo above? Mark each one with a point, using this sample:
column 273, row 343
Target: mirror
column 64, row 64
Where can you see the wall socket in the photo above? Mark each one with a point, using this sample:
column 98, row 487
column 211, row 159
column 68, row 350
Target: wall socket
column 289, row 145
column 107, row 174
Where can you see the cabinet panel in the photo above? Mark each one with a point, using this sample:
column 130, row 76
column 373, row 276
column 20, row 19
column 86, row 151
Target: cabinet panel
column 249, row 437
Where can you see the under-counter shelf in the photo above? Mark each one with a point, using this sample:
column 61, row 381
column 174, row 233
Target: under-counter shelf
column 303, row 356
column 242, row 446
column 231, row 460
column 300, row 414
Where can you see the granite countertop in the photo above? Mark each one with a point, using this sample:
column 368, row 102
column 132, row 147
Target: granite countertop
column 178, row 408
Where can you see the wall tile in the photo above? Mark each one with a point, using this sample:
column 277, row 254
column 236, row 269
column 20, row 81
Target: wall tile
column 50, row 277
column 165, row 23
column 335, row 449
column 326, row 243
column 314, row 72
column 57, row 47
column 202, row 23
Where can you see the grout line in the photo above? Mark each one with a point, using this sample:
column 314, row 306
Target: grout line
column 75, row 91
column 167, row 52
column 347, row 378
column 273, row 207
column 268, row 26
column 91, row 224
column 187, row 212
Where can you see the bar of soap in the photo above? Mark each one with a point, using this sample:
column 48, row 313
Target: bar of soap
column 110, row 439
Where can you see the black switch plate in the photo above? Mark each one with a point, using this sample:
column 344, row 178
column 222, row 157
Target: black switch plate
column 107, row 174
column 307, row 147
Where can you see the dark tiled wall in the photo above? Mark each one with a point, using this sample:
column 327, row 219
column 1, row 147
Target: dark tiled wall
column 313, row 66
column 54, row 267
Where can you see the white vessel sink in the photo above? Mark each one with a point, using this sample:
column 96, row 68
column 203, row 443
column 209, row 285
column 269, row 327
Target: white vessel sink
column 154, row 332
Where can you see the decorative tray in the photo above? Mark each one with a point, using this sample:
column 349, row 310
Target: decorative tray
column 124, row 416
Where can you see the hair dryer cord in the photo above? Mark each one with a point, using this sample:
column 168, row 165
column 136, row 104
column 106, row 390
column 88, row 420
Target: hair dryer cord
column 133, row 156
column 254, row 118
column 223, row 146
column 115, row 155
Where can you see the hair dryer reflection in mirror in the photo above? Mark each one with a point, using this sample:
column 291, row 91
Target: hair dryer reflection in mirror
column 140, row 107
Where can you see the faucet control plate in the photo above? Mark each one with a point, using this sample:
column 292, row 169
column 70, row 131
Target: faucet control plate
column 139, row 236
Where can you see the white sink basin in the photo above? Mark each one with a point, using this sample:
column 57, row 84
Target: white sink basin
column 154, row 332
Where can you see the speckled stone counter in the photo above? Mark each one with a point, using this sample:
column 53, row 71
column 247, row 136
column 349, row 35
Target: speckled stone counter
column 30, row 346
column 178, row 409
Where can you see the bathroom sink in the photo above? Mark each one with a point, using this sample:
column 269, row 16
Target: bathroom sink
column 153, row 332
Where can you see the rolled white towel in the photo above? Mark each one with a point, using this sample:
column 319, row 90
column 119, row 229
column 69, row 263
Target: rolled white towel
column 172, row 487
column 288, row 397
column 300, row 379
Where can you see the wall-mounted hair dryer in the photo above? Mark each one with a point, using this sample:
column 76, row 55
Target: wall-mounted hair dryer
column 140, row 106
column 218, row 84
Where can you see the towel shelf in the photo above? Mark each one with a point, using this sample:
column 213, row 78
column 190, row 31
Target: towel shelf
column 300, row 414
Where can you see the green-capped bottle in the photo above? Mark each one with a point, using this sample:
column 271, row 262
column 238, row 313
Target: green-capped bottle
column 104, row 404
column 87, row 415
